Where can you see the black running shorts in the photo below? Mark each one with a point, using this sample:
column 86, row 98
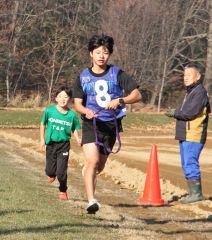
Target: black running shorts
column 106, row 132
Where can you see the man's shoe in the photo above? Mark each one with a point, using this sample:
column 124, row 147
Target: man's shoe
column 63, row 196
column 193, row 198
column 195, row 192
column 51, row 179
column 93, row 206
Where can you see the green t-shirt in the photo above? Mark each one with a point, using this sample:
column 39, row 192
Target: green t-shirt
column 59, row 125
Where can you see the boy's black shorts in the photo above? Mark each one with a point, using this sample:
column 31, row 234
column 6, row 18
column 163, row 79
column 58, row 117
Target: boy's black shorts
column 106, row 132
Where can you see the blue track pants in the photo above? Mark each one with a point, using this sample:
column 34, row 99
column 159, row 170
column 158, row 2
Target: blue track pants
column 190, row 152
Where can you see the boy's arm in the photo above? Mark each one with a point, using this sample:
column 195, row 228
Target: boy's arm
column 133, row 97
column 83, row 110
column 76, row 135
column 42, row 137
column 130, row 87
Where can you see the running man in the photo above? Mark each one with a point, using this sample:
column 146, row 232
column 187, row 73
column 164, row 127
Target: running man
column 98, row 93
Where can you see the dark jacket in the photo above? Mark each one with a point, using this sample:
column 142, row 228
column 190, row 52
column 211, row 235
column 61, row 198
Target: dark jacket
column 192, row 116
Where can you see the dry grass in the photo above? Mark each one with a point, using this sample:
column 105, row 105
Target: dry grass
column 33, row 101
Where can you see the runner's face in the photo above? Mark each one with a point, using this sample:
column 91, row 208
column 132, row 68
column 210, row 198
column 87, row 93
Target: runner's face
column 191, row 75
column 100, row 56
column 62, row 99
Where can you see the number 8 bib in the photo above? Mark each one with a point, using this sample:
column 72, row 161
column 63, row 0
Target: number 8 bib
column 102, row 97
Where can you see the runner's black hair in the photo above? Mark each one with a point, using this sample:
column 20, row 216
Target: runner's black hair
column 101, row 40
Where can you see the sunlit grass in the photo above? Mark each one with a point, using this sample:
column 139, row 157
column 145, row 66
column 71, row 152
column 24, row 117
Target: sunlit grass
column 32, row 118
column 20, row 118
column 30, row 209
column 143, row 120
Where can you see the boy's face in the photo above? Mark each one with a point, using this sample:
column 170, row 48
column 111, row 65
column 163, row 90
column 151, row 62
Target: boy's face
column 100, row 56
column 62, row 99
column 191, row 75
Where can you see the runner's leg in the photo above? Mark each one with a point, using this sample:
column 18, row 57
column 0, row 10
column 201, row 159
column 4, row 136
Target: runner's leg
column 101, row 163
column 100, row 168
column 91, row 152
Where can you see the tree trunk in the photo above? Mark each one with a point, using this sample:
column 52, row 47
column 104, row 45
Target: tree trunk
column 154, row 95
column 160, row 63
column 208, row 74
column 13, row 41
column 162, row 85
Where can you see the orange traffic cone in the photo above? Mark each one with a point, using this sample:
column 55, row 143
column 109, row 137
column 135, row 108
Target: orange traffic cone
column 152, row 195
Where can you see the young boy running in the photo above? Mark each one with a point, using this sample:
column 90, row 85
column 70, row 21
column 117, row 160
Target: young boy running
column 57, row 124
column 98, row 93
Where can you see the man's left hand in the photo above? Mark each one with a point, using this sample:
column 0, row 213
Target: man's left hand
column 113, row 104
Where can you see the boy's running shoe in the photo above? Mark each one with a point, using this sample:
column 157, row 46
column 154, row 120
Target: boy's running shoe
column 51, row 179
column 93, row 206
column 63, row 196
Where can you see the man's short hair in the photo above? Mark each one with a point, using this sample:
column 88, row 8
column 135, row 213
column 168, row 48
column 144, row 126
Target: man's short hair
column 101, row 40
column 195, row 66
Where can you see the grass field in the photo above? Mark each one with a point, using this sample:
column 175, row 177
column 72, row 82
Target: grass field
column 31, row 118
column 30, row 209
column 19, row 118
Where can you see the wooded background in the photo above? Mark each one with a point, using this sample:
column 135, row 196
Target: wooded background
column 43, row 44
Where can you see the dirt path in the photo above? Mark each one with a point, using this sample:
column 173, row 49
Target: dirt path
column 127, row 170
column 138, row 151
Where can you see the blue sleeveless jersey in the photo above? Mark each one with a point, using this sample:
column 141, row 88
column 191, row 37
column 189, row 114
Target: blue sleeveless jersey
column 101, row 90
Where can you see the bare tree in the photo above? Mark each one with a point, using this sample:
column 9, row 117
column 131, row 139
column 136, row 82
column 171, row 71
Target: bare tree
column 46, row 42
column 62, row 42
column 208, row 74
column 43, row 43
column 156, row 38
column 12, row 47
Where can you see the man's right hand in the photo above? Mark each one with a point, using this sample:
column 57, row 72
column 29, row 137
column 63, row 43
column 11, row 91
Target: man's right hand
column 89, row 114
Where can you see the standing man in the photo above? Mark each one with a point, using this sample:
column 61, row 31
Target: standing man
column 191, row 129
column 98, row 94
